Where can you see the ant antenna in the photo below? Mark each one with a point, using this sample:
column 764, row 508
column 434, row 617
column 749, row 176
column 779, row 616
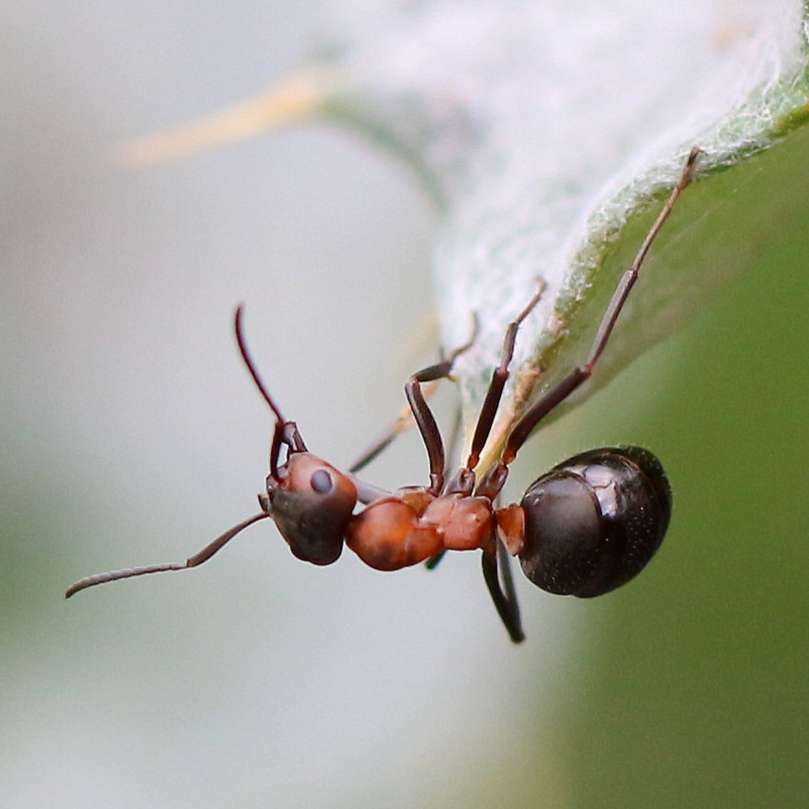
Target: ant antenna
column 251, row 366
column 197, row 559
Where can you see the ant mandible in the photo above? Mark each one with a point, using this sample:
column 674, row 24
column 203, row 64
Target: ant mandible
column 587, row 526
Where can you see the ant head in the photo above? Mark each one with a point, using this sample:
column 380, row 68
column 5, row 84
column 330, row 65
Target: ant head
column 311, row 502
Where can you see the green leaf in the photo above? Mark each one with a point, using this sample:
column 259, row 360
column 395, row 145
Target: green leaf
column 550, row 138
column 549, row 135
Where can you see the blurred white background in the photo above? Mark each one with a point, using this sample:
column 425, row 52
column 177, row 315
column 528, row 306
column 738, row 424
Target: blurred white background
column 131, row 435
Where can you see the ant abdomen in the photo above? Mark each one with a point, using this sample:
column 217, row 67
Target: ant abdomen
column 593, row 522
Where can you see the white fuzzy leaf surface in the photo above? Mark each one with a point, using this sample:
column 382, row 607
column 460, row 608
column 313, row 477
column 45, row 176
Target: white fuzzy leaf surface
column 549, row 133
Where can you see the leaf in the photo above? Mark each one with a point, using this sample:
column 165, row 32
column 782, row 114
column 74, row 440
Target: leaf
column 549, row 134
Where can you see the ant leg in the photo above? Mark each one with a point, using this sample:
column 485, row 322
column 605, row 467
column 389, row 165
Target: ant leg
column 433, row 561
column 580, row 374
column 505, row 602
column 504, row 559
column 505, row 598
column 492, row 401
column 402, row 423
column 404, row 420
column 425, row 420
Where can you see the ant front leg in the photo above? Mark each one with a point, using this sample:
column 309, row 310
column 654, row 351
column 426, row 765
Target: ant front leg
column 404, row 420
column 433, row 562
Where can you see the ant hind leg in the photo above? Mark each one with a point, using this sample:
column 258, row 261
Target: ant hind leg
column 557, row 394
column 496, row 564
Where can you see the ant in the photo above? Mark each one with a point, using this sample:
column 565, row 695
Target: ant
column 587, row 526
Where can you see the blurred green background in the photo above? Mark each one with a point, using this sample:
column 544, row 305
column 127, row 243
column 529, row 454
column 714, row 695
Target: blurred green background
column 131, row 435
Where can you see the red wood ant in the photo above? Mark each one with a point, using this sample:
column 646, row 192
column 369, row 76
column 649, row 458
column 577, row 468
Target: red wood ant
column 587, row 526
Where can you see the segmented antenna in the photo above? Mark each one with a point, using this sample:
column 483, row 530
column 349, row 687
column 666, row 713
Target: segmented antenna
column 250, row 365
column 197, row 559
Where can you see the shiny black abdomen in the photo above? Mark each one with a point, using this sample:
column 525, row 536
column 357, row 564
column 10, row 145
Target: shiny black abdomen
column 593, row 522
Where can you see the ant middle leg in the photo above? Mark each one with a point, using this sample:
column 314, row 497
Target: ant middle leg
column 499, row 378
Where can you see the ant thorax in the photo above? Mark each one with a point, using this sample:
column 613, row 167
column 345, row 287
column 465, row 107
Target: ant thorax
column 413, row 525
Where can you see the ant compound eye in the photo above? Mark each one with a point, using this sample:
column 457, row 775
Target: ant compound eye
column 321, row 481
column 312, row 507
